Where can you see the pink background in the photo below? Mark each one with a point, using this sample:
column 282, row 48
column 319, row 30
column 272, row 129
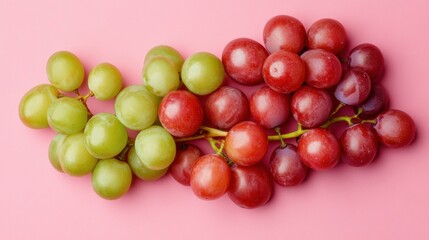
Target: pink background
column 387, row 200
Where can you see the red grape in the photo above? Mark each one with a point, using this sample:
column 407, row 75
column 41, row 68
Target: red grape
column 243, row 59
column 319, row 149
column 284, row 71
column 269, row 108
column 354, row 87
column 376, row 102
column 322, row 67
column 210, row 177
column 246, row 143
column 369, row 58
column 395, row 128
column 284, row 33
column 250, row 187
column 180, row 113
column 226, row 107
column 328, row 34
column 286, row 166
column 311, row 106
column 186, row 156
column 359, row 145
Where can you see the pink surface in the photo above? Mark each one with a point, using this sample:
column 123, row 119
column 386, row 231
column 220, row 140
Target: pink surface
column 386, row 200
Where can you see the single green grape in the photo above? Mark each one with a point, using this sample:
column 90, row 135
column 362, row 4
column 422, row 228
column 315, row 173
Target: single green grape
column 65, row 71
column 136, row 107
column 160, row 76
column 67, row 115
column 167, row 52
column 140, row 170
column 33, row 107
column 105, row 136
column 105, row 81
column 155, row 147
column 202, row 73
column 74, row 157
column 111, row 178
column 54, row 151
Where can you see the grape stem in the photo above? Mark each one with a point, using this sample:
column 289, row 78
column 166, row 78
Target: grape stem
column 205, row 132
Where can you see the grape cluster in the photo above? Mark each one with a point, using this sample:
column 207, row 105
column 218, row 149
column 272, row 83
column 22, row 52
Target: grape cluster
column 302, row 74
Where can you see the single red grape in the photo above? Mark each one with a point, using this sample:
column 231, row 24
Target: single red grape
column 243, row 59
column 284, row 71
column 359, row 145
column 226, row 107
column 180, row 113
column 354, row 87
column 269, row 108
column 376, row 102
column 250, row 187
column 286, row 166
column 186, row 156
column 311, row 106
column 323, row 69
column 319, row 149
column 328, row 34
column 284, row 33
column 369, row 58
column 395, row 128
column 210, row 177
column 246, row 143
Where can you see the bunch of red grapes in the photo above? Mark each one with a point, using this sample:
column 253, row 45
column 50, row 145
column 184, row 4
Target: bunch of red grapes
column 299, row 74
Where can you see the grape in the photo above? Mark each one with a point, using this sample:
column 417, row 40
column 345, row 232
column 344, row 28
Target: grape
column 376, row 102
column 319, row 149
column 202, row 73
column 286, row 166
column 354, row 87
column 369, row 58
column 322, row 67
column 74, row 157
column 284, row 71
column 181, row 168
column 105, row 136
column 168, row 52
column 250, row 187
column 67, row 115
column 111, row 178
column 327, row 34
column 33, row 107
column 269, row 108
column 359, row 145
column 246, row 143
column 136, row 107
column 105, row 81
column 210, row 177
column 160, row 76
column 54, row 151
column 155, row 147
column 140, row 170
column 284, row 32
column 180, row 113
column 311, row 106
column 65, row 71
column 395, row 128
column 243, row 59
column 226, row 107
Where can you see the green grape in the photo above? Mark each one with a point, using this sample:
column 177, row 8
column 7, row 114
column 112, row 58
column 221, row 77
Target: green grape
column 67, row 115
column 167, row 52
column 65, row 71
column 160, row 76
column 105, row 136
column 111, row 178
column 105, row 81
column 155, row 147
column 140, row 170
column 33, row 107
column 202, row 73
column 74, row 157
column 136, row 107
column 54, row 151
